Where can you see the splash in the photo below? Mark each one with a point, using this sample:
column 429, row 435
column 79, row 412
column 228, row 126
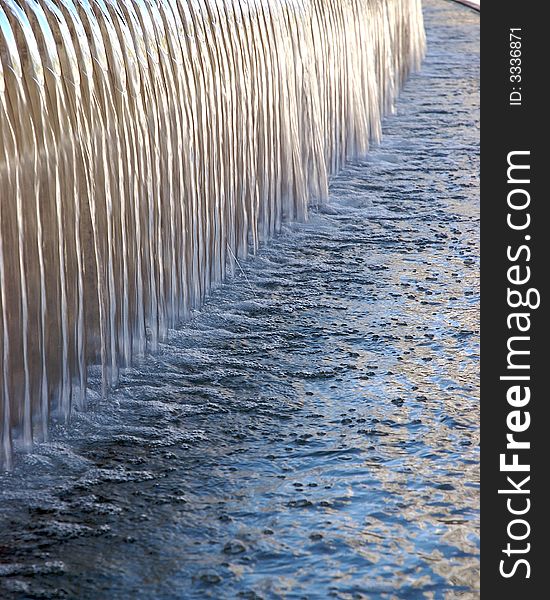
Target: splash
column 145, row 146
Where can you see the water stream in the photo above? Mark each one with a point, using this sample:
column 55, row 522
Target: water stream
column 144, row 145
column 312, row 431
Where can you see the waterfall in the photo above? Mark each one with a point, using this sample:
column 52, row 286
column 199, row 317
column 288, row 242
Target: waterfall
column 145, row 146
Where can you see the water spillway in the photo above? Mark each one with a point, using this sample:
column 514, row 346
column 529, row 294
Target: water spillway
column 145, row 146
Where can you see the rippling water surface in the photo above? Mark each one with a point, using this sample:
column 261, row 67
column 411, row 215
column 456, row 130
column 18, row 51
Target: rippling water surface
column 312, row 432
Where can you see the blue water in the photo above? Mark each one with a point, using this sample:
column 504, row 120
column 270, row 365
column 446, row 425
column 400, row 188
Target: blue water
column 313, row 431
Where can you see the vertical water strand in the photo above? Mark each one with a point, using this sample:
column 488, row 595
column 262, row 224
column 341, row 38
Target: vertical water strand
column 69, row 80
column 214, row 110
column 14, row 236
column 238, row 175
column 78, row 77
column 104, row 145
column 115, row 86
column 275, row 60
column 227, row 126
column 159, row 132
column 66, row 252
column 8, row 153
column 248, row 142
column 163, row 33
column 213, row 214
column 191, row 155
column 123, row 230
column 205, row 75
column 122, row 223
column 117, row 207
column 257, row 84
column 23, row 108
column 162, row 150
column 133, row 48
column 281, row 191
column 174, row 68
column 217, row 43
column 195, row 80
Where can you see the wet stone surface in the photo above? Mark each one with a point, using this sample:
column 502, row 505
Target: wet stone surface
column 312, row 433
